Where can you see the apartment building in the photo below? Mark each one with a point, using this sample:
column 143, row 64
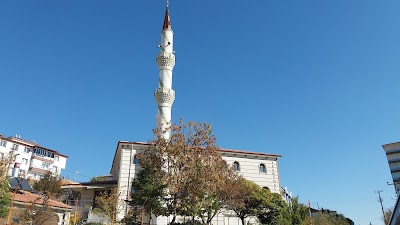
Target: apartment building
column 31, row 159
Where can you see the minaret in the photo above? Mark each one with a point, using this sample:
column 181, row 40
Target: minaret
column 164, row 94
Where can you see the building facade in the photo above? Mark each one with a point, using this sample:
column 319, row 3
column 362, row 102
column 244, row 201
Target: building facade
column 392, row 151
column 30, row 159
column 261, row 168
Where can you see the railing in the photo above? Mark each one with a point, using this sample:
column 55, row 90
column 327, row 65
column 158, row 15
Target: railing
column 393, row 151
column 394, row 160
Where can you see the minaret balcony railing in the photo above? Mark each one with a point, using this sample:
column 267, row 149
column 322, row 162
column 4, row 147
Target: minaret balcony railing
column 164, row 96
column 165, row 60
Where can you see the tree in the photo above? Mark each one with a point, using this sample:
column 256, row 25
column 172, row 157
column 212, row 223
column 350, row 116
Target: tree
column 95, row 179
column 36, row 214
column 326, row 217
column 147, row 193
column 5, row 162
column 298, row 212
column 386, row 218
column 274, row 210
column 246, row 198
column 107, row 205
column 191, row 168
column 50, row 185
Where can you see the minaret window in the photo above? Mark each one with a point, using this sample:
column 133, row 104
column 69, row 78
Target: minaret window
column 262, row 168
column 236, row 166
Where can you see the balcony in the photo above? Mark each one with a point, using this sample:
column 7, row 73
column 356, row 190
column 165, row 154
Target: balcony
column 394, row 151
column 39, row 170
column 394, row 160
column 395, row 170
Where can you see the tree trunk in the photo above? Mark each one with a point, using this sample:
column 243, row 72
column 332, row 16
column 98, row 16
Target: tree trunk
column 242, row 219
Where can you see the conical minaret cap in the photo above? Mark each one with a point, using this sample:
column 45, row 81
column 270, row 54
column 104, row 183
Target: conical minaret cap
column 167, row 20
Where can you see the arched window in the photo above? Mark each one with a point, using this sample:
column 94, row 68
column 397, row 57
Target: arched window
column 236, row 166
column 262, row 168
column 136, row 160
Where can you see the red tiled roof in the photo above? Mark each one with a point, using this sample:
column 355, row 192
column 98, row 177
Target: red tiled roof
column 28, row 197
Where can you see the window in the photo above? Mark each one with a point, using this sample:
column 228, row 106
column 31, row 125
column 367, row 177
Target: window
column 43, row 153
column 24, row 161
column 45, row 165
column 15, row 147
column 55, row 169
column 27, row 150
column 57, row 158
column 136, row 160
column 262, row 168
column 3, row 143
column 236, row 166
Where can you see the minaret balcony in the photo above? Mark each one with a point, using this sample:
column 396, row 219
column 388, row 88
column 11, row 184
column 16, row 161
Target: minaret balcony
column 164, row 96
column 165, row 60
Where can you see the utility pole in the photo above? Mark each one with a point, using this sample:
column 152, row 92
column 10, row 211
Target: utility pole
column 380, row 201
column 76, row 174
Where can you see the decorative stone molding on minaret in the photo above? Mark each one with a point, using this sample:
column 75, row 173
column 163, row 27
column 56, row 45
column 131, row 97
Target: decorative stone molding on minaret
column 164, row 94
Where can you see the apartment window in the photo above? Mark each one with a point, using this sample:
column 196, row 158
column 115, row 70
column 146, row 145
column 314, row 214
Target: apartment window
column 27, row 150
column 24, row 161
column 15, row 147
column 136, row 160
column 57, row 158
column 55, row 169
column 236, row 166
column 45, row 165
column 3, row 143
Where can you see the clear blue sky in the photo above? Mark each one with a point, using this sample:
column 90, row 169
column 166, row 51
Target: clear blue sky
column 315, row 81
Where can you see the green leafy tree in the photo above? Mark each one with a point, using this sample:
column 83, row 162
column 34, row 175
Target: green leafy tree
column 326, row 217
column 107, row 205
column 5, row 162
column 95, row 179
column 147, row 194
column 246, row 198
column 273, row 210
column 49, row 185
column 298, row 212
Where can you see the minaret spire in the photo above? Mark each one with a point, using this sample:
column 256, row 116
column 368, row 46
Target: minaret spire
column 167, row 19
column 164, row 94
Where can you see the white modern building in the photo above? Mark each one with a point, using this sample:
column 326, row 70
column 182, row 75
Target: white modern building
column 30, row 159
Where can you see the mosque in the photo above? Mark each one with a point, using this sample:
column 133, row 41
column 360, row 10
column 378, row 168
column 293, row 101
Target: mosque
column 261, row 168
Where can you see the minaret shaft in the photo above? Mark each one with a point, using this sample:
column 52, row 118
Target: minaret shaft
column 164, row 94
